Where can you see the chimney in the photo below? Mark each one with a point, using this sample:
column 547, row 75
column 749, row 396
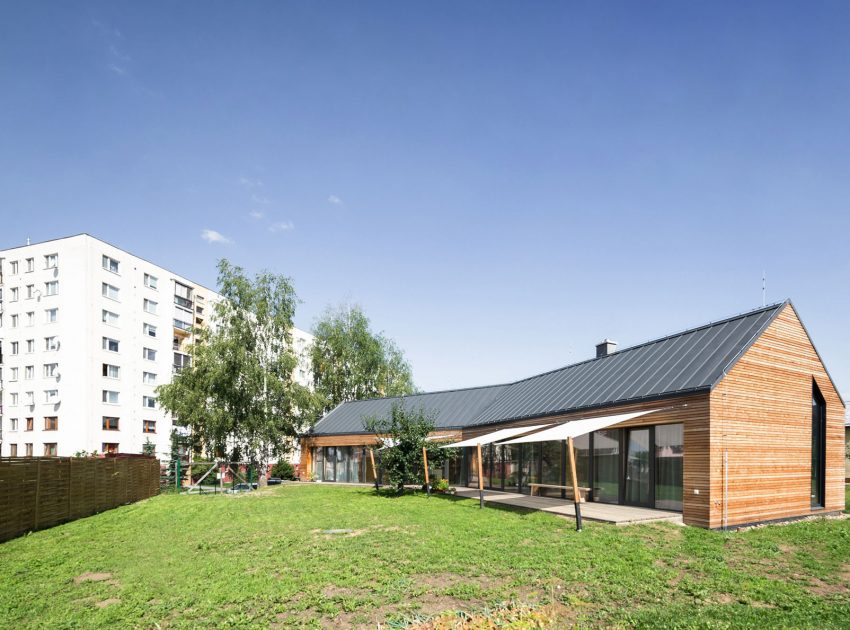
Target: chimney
column 604, row 348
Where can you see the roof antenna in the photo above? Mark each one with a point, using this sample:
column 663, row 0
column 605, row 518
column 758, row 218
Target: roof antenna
column 763, row 285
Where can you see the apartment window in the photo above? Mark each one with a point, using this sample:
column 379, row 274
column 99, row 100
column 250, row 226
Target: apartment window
column 149, row 354
column 30, row 346
column 111, row 371
column 13, row 399
column 50, row 315
column 28, row 449
column 150, row 281
column 13, row 294
column 30, row 398
column 148, row 426
column 13, row 268
column 109, row 397
column 51, row 423
column 110, row 345
column 30, row 291
column 51, row 344
column 13, row 450
column 183, row 296
column 31, row 318
column 14, row 348
column 51, row 288
column 109, row 291
column 180, row 324
column 149, row 330
column 148, row 378
column 50, row 370
column 50, row 449
column 29, row 424
column 110, row 447
column 149, row 306
column 14, row 321
column 29, row 372
column 30, row 264
column 110, row 264
column 148, row 402
column 51, row 261
column 818, row 471
column 110, row 423
column 13, row 424
column 109, row 317
column 51, row 396
column 13, row 374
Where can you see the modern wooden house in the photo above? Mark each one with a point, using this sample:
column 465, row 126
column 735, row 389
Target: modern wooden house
column 741, row 423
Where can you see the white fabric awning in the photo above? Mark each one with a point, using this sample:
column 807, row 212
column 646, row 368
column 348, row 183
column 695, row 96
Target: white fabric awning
column 495, row 436
column 575, row 428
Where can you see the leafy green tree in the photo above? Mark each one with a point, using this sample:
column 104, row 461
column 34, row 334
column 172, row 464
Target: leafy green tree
column 238, row 397
column 407, row 430
column 350, row 362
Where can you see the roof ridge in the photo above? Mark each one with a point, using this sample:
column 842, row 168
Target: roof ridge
column 438, row 391
column 643, row 344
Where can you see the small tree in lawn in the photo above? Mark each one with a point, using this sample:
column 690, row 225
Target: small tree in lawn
column 238, row 397
column 407, row 429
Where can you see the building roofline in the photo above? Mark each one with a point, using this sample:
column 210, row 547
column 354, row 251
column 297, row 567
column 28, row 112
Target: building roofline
column 100, row 240
column 643, row 344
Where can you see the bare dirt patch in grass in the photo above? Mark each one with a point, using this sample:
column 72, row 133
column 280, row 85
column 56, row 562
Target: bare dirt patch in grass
column 821, row 588
column 88, row 576
column 108, row 602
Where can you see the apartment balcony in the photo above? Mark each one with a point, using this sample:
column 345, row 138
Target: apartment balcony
column 182, row 302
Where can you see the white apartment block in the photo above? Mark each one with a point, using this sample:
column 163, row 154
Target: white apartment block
column 87, row 333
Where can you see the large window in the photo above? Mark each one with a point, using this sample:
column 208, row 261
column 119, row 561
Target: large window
column 606, row 466
column 330, row 464
column 669, row 466
column 550, row 468
column 818, row 447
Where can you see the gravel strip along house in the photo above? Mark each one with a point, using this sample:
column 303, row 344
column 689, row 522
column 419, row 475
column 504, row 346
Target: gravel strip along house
column 742, row 424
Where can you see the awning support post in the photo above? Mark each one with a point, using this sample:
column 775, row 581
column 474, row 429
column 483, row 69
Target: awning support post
column 574, row 478
column 480, row 480
column 374, row 470
column 425, row 461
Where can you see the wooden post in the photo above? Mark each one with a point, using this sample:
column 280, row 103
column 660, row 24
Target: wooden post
column 70, row 502
column 374, row 469
column 574, row 477
column 425, row 460
column 480, row 479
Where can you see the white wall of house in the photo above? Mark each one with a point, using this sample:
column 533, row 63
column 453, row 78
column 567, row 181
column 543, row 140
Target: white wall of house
column 140, row 305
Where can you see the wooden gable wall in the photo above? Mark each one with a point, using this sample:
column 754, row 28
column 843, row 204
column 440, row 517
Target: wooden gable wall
column 762, row 413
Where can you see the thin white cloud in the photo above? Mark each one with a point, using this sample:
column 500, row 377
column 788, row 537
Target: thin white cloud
column 117, row 69
column 256, row 214
column 281, row 226
column 335, row 200
column 247, row 182
column 211, row 236
column 260, row 200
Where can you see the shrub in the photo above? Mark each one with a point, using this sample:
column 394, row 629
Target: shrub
column 442, row 485
column 283, row 470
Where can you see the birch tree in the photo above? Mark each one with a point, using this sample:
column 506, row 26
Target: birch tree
column 238, row 397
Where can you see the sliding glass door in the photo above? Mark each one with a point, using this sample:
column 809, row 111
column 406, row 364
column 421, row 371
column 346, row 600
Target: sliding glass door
column 637, row 488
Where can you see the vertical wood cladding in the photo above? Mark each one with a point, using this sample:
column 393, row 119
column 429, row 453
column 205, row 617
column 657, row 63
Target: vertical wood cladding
column 762, row 413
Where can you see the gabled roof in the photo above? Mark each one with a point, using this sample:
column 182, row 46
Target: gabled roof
column 691, row 361
column 687, row 362
column 452, row 409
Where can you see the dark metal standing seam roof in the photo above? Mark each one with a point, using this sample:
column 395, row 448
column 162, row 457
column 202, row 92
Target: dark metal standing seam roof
column 452, row 409
column 690, row 361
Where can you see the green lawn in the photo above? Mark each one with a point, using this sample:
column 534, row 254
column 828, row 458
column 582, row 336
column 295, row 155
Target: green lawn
column 263, row 560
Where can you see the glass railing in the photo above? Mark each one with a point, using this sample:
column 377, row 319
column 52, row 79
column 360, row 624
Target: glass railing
column 183, row 302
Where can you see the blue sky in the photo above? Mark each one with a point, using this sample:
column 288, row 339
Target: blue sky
column 499, row 185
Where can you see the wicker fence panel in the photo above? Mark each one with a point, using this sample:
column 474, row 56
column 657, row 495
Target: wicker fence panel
column 39, row 492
